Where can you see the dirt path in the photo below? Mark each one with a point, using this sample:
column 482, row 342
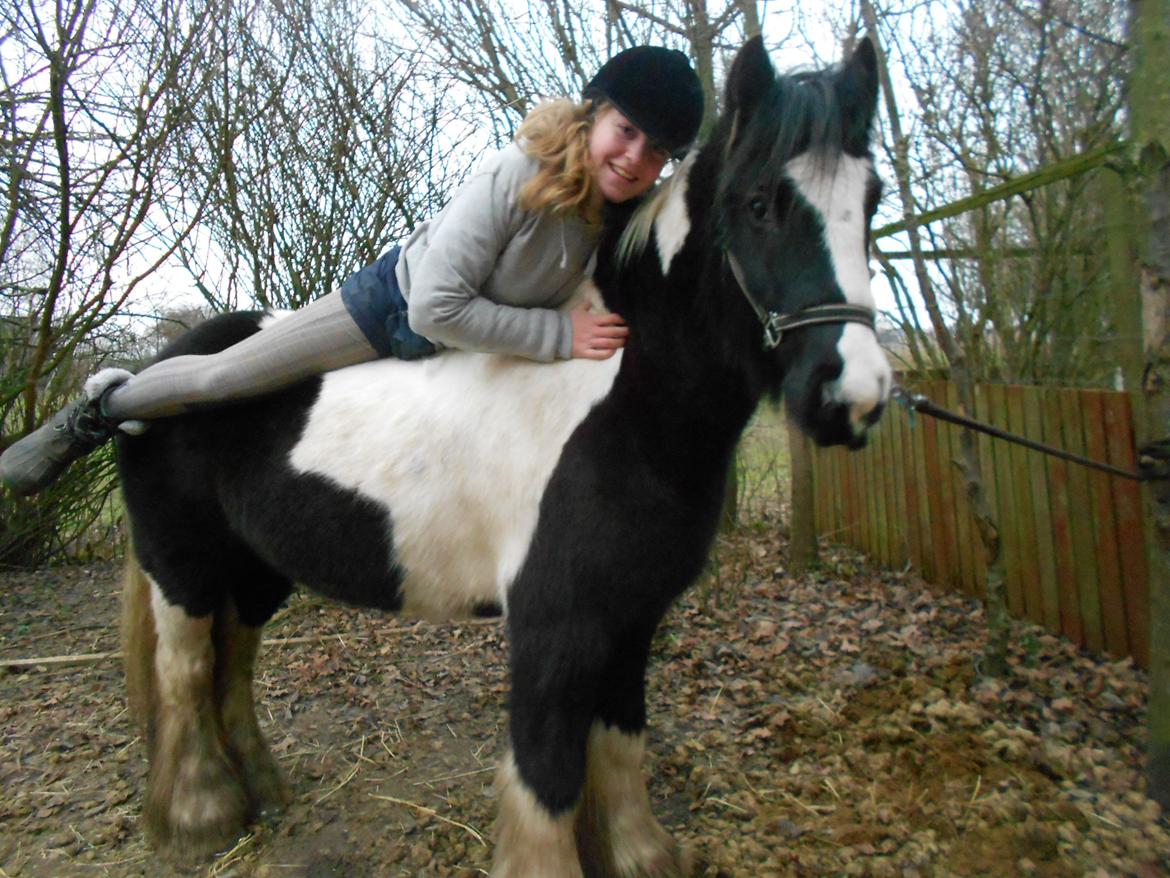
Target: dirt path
column 829, row 726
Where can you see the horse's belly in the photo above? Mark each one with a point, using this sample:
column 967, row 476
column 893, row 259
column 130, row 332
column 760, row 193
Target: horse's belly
column 458, row 450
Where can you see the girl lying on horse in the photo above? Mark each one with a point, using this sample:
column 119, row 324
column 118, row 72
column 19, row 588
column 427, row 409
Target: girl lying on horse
column 488, row 273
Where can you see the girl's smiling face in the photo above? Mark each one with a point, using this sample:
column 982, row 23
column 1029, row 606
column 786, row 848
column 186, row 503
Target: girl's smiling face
column 624, row 160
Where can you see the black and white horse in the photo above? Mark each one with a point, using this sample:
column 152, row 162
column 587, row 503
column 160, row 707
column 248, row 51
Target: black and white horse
column 581, row 498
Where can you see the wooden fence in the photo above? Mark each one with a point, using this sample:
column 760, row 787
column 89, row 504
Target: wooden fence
column 1072, row 537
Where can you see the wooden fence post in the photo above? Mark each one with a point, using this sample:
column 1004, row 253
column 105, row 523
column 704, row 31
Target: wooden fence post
column 802, row 530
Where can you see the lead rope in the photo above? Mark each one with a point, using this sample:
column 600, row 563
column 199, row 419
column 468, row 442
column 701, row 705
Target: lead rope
column 1155, row 457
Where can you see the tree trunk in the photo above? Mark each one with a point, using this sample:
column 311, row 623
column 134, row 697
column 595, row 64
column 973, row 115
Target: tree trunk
column 1149, row 97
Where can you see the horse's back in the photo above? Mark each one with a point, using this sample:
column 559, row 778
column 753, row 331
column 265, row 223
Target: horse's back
column 383, row 484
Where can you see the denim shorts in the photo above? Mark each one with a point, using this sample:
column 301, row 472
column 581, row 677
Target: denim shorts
column 377, row 306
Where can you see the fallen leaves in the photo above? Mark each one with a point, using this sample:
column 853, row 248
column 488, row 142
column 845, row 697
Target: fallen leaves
column 830, row 725
column 887, row 753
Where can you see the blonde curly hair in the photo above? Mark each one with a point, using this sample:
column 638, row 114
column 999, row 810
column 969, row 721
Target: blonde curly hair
column 556, row 133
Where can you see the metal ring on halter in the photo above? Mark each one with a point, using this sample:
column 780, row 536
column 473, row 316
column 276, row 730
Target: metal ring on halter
column 776, row 324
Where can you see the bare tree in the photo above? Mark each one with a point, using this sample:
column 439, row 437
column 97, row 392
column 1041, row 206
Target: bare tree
column 93, row 97
column 507, row 60
column 91, row 102
column 322, row 143
column 1002, row 90
column 1149, row 105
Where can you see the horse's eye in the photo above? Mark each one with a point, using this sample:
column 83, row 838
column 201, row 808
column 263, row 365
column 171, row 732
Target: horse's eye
column 758, row 207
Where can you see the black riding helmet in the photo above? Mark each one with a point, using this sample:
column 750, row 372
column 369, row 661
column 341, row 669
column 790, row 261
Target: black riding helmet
column 657, row 90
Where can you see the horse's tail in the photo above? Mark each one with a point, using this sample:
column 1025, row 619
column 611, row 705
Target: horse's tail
column 139, row 642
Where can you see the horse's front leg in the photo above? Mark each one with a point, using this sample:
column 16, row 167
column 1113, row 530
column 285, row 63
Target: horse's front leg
column 617, row 831
column 541, row 781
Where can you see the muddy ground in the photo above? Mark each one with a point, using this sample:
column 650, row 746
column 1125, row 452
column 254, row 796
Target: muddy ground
column 830, row 725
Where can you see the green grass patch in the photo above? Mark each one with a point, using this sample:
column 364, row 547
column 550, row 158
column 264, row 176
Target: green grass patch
column 763, row 469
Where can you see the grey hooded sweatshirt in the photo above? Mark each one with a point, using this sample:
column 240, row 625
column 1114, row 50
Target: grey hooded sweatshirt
column 485, row 274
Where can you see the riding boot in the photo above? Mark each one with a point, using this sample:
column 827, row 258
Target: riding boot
column 35, row 462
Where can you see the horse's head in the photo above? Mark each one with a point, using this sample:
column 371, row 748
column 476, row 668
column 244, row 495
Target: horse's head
column 794, row 199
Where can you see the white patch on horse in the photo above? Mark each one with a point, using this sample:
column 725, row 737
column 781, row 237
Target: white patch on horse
column 866, row 379
column 184, row 651
column 836, row 188
column 635, row 842
column 530, row 842
column 673, row 223
column 458, row 449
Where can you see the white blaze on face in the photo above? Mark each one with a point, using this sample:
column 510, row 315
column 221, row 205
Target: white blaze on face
column 836, row 188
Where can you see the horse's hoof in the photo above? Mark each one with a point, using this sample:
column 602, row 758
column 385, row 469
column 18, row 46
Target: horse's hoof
column 194, row 844
column 656, row 857
column 269, row 794
column 672, row 863
column 507, row 869
column 676, row 863
column 203, row 814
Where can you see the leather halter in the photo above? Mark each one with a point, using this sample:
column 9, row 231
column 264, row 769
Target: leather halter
column 776, row 324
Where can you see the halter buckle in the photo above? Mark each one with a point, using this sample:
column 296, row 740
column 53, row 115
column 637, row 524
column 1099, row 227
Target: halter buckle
column 773, row 330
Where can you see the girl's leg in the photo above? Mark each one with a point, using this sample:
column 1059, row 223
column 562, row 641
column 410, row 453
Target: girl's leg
column 318, row 338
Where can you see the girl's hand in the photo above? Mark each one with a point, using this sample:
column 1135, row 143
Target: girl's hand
column 596, row 336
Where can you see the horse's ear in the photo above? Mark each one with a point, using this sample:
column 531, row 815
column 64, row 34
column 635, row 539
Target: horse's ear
column 751, row 75
column 857, row 89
